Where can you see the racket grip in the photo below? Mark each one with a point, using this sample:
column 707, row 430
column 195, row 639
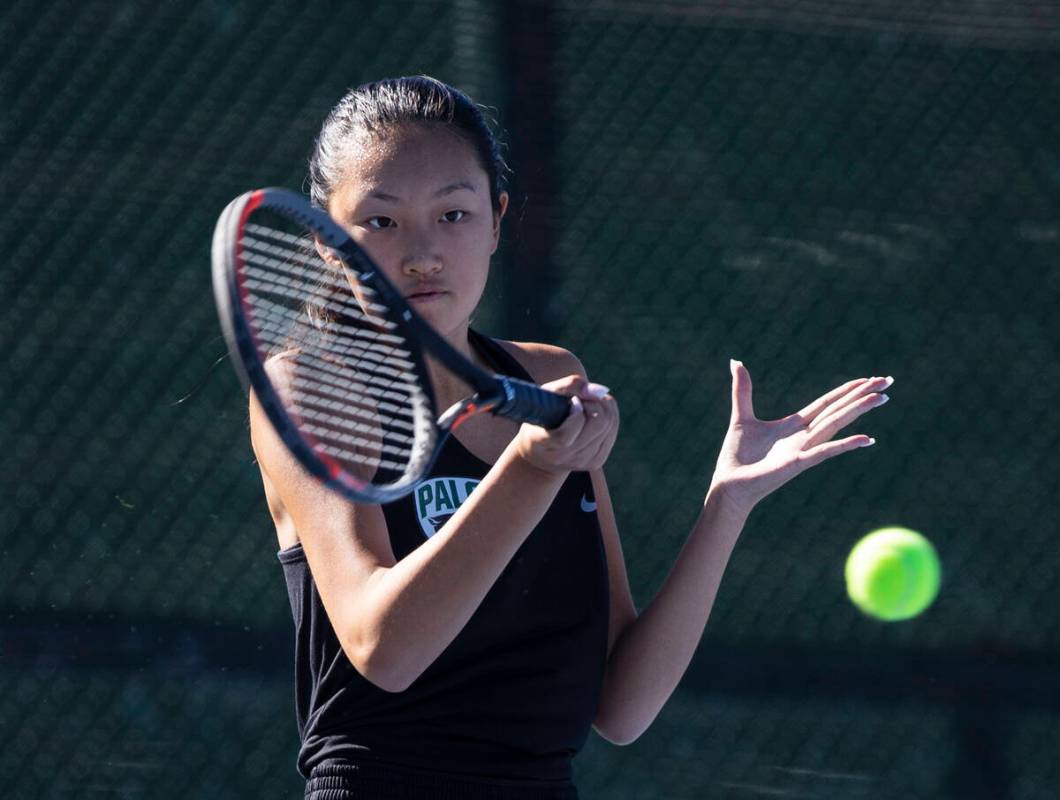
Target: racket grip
column 528, row 402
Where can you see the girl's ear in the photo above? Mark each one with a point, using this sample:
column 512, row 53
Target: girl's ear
column 326, row 254
column 498, row 215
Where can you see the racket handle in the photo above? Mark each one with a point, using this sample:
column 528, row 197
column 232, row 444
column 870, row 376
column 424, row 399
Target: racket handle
column 528, row 402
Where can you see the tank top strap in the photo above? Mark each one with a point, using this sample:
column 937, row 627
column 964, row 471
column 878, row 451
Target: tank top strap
column 497, row 357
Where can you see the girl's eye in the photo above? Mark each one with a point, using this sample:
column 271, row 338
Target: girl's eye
column 454, row 216
column 378, row 223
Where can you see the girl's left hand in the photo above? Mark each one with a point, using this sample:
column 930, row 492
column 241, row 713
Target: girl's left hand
column 759, row 456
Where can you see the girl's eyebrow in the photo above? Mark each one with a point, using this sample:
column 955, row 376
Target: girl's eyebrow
column 377, row 194
column 454, row 187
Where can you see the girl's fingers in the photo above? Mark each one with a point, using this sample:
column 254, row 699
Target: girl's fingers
column 827, row 425
column 822, row 452
column 600, row 418
column 839, row 398
column 742, row 390
column 598, row 457
column 594, row 391
column 570, row 385
column 595, row 453
column 598, row 433
column 814, row 409
column 571, row 428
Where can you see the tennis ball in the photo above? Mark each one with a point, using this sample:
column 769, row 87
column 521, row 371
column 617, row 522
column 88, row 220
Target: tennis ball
column 893, row 574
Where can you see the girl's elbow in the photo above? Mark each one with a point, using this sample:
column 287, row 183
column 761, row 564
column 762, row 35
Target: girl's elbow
column 379, row 668
column 620, row 732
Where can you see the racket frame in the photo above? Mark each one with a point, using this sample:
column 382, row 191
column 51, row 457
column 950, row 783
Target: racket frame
column 249, row 362
column 500, row 394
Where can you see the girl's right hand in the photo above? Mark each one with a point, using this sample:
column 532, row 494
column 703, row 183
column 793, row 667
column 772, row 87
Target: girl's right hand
column 584, row 440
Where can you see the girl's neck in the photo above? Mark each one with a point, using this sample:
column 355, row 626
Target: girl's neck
column 448, row 388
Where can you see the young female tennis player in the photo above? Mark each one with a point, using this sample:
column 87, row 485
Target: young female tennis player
column 460, row 642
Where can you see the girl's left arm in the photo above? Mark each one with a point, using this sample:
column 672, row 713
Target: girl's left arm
column 648, row 653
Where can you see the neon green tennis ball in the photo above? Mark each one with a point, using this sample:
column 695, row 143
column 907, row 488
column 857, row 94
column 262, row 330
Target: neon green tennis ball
column 893, row 574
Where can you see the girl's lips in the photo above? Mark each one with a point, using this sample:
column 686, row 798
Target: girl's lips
column 425, row 296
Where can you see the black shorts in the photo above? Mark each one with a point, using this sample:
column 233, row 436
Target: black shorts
column 375, row 781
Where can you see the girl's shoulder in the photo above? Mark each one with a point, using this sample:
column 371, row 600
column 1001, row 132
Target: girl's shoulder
column 544, row 362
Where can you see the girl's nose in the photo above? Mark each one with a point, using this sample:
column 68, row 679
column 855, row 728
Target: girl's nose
column 422, row 255
column 421, row 263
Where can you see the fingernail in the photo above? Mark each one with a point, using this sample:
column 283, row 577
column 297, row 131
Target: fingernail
column 883, row 399
column 869, row 443
column 733, row 363
column 890, row 380
column 576, row 405
column 597, row 390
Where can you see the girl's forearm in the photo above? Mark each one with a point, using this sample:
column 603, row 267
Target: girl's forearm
column 648, row 660
column 413, row 610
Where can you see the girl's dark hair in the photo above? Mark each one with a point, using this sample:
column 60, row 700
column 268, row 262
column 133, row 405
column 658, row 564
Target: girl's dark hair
column 374, row 107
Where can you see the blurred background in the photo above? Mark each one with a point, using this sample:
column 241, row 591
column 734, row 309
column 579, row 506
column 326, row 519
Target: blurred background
column 822, row 188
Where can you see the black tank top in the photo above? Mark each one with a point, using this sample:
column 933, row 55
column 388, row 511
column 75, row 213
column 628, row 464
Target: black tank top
column 515, row 693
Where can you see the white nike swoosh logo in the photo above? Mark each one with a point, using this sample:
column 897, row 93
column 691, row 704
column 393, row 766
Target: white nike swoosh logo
column 587, row 504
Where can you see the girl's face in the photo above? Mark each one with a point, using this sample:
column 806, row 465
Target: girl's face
column 418, row 202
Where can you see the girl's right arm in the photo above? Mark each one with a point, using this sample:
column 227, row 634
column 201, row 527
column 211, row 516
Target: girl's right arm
column 394, row 618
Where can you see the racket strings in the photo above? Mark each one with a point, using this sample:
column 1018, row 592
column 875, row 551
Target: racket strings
column 388, row 404
column 382, row 366
column 278, row 272
column 350, row 378
column 302, row 251
column 280, row 279
column 333, row 359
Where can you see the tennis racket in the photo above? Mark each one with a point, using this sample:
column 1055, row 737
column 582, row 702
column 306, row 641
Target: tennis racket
column 335, row 355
